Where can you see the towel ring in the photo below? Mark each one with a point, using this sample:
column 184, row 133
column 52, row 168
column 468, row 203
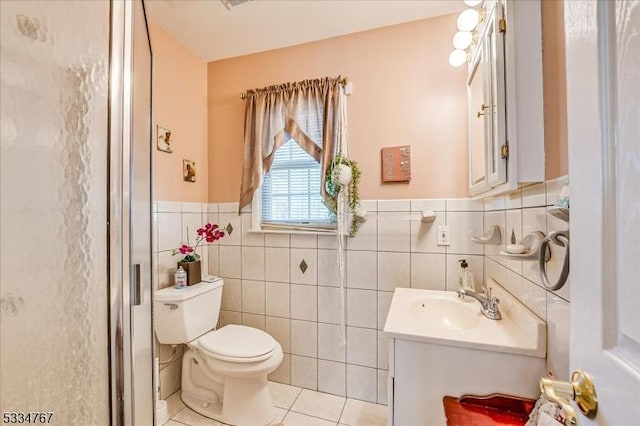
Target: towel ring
column 560, row 238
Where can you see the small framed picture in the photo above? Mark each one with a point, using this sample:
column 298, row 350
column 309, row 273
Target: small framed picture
column 189, row 170
column 164, row 140
column 396, row 163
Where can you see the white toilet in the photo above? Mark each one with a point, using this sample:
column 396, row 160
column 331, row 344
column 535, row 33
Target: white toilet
column 224, row 371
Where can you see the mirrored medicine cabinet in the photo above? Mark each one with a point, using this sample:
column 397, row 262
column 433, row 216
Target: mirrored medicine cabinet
column 504, row 87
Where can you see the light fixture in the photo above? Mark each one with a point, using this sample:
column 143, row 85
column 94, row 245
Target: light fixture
column 457, row 57
column 462, row 39
column 468, row 20
column 472, row 3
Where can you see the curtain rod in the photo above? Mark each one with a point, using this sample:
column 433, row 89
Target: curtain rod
column 344, row 81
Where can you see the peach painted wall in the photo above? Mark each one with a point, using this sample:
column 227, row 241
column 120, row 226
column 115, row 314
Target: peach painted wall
column 179, row 104
column 404, row 93
column 555, row 90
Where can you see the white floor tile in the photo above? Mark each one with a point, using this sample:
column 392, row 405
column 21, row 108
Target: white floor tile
column 174, row 404
column 360, row 413
column 283, row 395
column 191, row 418
column 297, row 419
column 318, row 404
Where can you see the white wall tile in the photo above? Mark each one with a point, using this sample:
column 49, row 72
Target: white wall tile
column 304, row 241
column 394, row 235
column 253, row 297
column 464, row 205
column 514, row 199
column 491, row 219
column 253, row 263
column 476, row 266
column 280, row 329
column 169, row 231
column 310, row 257
column 229, row 317
column 533, row 219
column 534, row 195
column 328, row 268
column 332, row 377
column 436, row 205
column 428, row 271
column 362, row 308
column 230, row 261
column 329, row 304
column 214, row 260
column 558, row 331
column 369, row 205
column 276, row 240
column 235, row 237
column 495, row 203
column 329, row 346
column 554, row 187
column 558, row 253
column 514, row 225
column 384, row 302
column 304, row 372
column 304, row 302
column 362, row 383
column 383, row 351
column 277, row 299
column 463, row 226
column 360, row 345
column 167, row 265
column 282, row 374
column 249, row 238
column 232, row 295
column 362, row 270
column 170, row 379
column 366, row 237
column 424, row 236
column 394, row 205
column 277, row 264
column 328, row 242
column 304, row 338
column 394, row 270
column 190, row 224
column 383, row 377
column 212, row 208
column 254, row 320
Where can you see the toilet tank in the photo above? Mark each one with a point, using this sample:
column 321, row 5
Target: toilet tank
column 181, row 315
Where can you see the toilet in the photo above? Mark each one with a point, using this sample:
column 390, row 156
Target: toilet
column 224, row 371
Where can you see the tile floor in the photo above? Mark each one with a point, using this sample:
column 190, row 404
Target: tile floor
column 296, row 407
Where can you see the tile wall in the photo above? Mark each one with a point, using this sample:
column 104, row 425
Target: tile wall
column 287, row 284
column 522, row 212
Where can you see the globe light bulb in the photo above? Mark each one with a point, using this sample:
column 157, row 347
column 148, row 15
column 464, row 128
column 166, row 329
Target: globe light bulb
column 462, row 39
column 457, row 57
column 468, row 20
column 472, row 3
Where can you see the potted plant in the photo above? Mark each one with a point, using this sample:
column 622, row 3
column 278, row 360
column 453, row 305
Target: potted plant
column 191, row 260
column 343, row 174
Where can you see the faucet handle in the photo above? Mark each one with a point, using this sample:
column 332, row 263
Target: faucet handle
column 487, row 291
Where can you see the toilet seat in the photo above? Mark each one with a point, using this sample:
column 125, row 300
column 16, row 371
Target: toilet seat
column 237, row 343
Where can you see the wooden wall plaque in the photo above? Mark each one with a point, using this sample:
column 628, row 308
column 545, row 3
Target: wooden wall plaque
column 396, row 163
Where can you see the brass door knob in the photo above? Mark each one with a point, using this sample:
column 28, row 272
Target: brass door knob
column 580, row 389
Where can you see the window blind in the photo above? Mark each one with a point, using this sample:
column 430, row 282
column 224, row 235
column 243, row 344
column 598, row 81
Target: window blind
column 291, row 191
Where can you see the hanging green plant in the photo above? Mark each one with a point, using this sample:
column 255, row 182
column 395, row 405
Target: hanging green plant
column 335, row 179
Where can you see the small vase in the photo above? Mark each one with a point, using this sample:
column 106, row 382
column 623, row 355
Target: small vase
column 194, row 275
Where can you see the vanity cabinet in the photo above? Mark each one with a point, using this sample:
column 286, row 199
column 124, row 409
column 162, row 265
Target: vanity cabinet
column 504, row 86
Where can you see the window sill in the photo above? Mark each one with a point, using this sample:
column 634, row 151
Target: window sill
column 292, row 231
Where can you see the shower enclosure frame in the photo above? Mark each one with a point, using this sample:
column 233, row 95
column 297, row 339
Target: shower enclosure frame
column 122, row 290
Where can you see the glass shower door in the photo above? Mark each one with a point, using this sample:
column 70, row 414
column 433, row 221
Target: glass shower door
column 54, row 350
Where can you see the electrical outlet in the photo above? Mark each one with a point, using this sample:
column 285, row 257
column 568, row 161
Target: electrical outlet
column 443, row 235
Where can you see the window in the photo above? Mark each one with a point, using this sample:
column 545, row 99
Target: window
column 290, row 194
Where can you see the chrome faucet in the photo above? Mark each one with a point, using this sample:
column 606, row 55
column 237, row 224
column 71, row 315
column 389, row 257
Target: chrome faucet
column 489, row 304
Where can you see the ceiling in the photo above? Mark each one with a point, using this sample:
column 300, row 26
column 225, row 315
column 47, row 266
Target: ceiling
column 212, row 32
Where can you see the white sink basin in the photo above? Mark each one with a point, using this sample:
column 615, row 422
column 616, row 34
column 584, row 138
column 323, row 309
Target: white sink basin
column 440, row 317
column 443, row 312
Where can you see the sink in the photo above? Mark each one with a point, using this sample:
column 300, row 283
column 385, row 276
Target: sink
column 441, row 317
column 443, row 312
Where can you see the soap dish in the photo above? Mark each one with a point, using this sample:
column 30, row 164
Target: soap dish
column 560, row 213
column 491, row 236
column 532, row 243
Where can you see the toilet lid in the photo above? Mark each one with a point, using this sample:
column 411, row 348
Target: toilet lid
column 237, row 341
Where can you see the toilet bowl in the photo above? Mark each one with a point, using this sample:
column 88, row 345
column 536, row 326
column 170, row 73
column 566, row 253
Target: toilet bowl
column 224, row 371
